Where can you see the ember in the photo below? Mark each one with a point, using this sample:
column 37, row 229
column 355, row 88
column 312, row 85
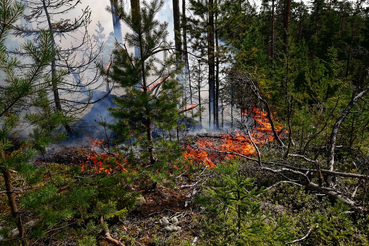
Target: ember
column 211, row 149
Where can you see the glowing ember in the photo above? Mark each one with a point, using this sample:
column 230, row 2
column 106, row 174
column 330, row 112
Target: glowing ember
column 212, row 149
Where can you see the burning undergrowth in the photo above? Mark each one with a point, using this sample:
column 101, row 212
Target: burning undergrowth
column 212, row 149
column 207, row 149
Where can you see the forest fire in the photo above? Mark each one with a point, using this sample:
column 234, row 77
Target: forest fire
column 104, row 162
column 210, row 149
column 206, row 149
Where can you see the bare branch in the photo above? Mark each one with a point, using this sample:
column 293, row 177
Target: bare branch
column 107, row 233
column 333, row 138
column 303, row 157
column 304, row 237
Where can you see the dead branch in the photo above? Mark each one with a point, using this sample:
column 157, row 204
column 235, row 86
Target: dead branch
column 107, row 233
column 304, row 237
column 336, row 195
column 333, row 137
column 283, row 182
column 324, row 190
column 190, row 186
column 269, row 114
column 253, row 144
column 303, row 157
column 283, row 170
column 333, row 173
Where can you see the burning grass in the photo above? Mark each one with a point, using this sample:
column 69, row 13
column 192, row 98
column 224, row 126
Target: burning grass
column 212, row 149
column 204, row 149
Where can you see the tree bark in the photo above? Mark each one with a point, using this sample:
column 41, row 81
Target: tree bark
column 177, row 30
column 272, row 33
column 116, row 23
column 185, row 51
column 211, row 64
column 286, row 24
column 13, row 205
column 217, row 84
column 54, row 82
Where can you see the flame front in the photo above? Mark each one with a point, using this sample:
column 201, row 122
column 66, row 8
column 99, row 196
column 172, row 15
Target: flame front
column 207, row 150
column 212, row 149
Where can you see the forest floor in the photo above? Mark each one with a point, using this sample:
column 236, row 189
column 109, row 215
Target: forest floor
column 167, row 212
column 163, row 215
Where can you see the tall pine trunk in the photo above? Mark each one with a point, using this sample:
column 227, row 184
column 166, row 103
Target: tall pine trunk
column 216, row 101
column 286, row 24
column 136, row 16
column 272, row 33
column 211, row 64
column 54, row 82
column 116, row 23
column 177, row 30
column 185, row 51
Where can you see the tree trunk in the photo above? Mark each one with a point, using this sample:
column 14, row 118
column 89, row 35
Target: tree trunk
column 13, row 205
column 116, row 23
column 217, row 86
column 272, row 33
column 211, row 64
column 286, row 23
column 185, row 51
column 54, row 82
column 177, row 30
column 135, row 10
column 199, row 89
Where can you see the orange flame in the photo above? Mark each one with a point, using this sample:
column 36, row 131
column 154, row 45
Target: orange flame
column 189, row 107
column 208, row 150
column 108, row 66
column 154, row 86
column 213, row 149
column 103, row 163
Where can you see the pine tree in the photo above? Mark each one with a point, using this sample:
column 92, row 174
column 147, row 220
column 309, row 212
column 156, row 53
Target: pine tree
column 149, row 107
column 75, row 53
column 23, row 99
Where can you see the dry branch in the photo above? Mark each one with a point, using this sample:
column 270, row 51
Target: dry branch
column 249, row 81
column 278, row 163
column 333, row 137
column 107, row 233
column 304, row 237
column 324, row 190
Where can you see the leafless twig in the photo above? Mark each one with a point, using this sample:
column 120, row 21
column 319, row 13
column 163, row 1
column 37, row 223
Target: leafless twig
column 304, row 237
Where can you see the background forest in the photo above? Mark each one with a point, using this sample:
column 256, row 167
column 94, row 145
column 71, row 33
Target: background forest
column 250, row 128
